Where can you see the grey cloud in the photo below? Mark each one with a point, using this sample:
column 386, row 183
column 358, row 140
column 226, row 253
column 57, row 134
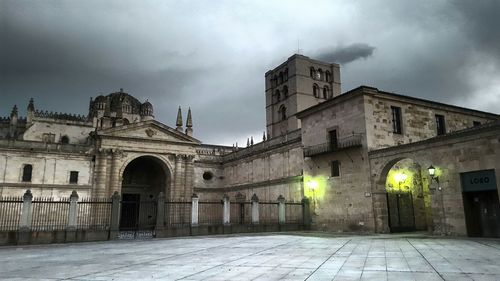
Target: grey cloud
column 346, row 54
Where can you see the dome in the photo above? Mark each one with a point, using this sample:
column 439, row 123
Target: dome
column 147, row 109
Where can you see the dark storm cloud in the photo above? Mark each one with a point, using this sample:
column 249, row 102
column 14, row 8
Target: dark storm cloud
column 346, row 54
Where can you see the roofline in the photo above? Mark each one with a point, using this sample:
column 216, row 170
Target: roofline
column 300, row 56
column 370, row 90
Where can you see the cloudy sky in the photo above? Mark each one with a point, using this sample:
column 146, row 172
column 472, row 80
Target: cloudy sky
column 212, row 55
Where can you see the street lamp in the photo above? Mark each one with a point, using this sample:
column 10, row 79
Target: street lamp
column 432, row 173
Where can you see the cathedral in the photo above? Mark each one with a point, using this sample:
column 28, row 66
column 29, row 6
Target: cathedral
column 369, row 160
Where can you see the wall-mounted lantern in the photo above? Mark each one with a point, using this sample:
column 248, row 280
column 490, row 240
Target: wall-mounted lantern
column 432, row 173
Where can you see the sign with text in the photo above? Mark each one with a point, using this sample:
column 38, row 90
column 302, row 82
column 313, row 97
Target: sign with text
column 478, row 181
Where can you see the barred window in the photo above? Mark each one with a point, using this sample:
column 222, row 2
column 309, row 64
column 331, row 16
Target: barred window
column 396, row 120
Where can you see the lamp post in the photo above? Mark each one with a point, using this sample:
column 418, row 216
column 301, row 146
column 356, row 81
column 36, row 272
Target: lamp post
column 432, row 174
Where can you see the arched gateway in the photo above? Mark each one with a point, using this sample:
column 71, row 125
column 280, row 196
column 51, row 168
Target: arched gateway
column 142, row 180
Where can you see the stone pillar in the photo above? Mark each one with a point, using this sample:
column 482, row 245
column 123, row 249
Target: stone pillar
column 25, row 220
column 255, row 209
column 281, row 209
column 194, row 210
column 160, row 213
column 226, row 213
column 73, row 211
column 114, row 228
column 177, row 186
column 115, row 184
column 306, row 213
column 188, row 176
column 100, row 174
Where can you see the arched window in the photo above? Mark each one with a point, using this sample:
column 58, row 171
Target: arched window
column 280, row 78
column 286, row 74
column 125, row 121
column 328, row 76
column 278, row 96
column 282, row 112
column 64, row 139
column 285, row 92
column 27, row 171
column 319, row 75
column 316, row 91
column 312, row 72
column 325, row 92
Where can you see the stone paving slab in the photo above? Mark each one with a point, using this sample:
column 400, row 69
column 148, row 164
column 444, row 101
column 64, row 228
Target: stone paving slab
column 259, row 257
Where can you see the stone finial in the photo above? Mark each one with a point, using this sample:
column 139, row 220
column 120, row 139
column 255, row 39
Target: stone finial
column 31, row 105
column 189, row 121
column 178, row 122
column 116, row 195
column 194, row 195
column 248, row 142
column 255, row 198
column 28, row 195
column 251, row 140
column 74, row 195
column 13, row 112
column 264, row 136
column 281, row 198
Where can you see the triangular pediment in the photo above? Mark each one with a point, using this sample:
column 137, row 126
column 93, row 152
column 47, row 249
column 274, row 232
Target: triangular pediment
column 147, row 130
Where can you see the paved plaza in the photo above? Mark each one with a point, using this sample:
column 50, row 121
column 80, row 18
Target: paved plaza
column 303, row 256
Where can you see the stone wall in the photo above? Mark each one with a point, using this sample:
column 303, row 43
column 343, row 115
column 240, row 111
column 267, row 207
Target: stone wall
column 78, row 133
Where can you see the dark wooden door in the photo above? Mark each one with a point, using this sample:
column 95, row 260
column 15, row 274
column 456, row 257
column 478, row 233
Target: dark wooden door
column 401, row 213
column 482, row 213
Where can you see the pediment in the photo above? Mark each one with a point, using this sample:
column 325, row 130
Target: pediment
column 147, row 130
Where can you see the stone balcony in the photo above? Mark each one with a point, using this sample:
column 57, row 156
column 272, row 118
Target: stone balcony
column 327, row 147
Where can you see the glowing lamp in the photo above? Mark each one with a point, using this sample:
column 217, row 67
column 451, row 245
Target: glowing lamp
column 432, row 171
column 312, row 185
column 400, row 177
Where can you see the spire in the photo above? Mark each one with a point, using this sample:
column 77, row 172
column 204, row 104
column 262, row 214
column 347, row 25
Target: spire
column 264, row 136
column 14, row 112
column 178, row 123
column 189, row 121
column 248, row 142
column 31, row 105
column 251, row 140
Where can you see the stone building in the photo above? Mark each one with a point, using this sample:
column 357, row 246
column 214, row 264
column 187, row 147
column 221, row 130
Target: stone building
column 362, row 157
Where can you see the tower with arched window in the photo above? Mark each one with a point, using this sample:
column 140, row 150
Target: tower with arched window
column 296, row 84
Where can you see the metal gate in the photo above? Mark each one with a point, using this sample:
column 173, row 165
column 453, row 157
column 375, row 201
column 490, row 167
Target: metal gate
column 138, row 217
column 401, row 213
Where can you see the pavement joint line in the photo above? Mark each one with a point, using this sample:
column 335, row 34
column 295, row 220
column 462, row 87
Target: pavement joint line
column 486, row 244
column 438, row 273
column 163, row 258
column 237, row 259
column 329, row 257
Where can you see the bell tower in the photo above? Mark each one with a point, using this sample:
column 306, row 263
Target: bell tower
column 297, row 84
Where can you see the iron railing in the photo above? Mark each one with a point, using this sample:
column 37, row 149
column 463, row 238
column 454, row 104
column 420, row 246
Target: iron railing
column 49, row 215
column 94, row 213
column 177, row 214
column 10, row 211
column 344, row 143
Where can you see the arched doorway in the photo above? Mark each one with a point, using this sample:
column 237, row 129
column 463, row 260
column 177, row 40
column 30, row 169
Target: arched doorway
column 143, row 179
column 408, row 201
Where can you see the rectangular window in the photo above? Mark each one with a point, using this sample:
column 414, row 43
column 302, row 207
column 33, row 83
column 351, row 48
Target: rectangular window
column 73, row 177
column 396, row 119
column 440, row 126
column 333, row 139
column 476, row 123
column 335, row 168
column 27, row 172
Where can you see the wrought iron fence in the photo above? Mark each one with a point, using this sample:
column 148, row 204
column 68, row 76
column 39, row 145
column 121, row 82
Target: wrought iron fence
column 210, row 213
column 10, row 211
column 177, row 214
column 241, row 212
column 49, row 215
column 268, row 213
column 293, row 213
column 94, row 213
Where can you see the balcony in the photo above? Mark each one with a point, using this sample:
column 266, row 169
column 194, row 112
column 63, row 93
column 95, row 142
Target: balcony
column 343, row 143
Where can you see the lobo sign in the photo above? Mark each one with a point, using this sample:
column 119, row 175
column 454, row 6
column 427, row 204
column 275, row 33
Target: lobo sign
column 478, row 180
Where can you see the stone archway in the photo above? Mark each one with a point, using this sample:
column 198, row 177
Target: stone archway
column 404, row 201
column 143, row 179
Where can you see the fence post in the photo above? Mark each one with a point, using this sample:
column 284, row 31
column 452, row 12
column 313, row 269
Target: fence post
column 25, row 221
column 194, row 209
column 114, row 229
column 281, row 209
column 160, row 213
column 226, row 214
column 255, row 209
column 306, row 213
column 73, row 211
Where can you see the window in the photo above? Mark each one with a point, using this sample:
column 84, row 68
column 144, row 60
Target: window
column 316, row 91
column 440, row 127
column 325, row 92
column 27, row 171
column 312, row 72
column 208, row 175
column 396, row 119
column 476, row 123
column 319, row 75
column 335, row 168
column 64, row 139
column 280, row 78
column 285, row 92
column 328, row 76
column 73, row 177
column 286, row 74
column 334, row 144
column 278, row 95
column 282, row 112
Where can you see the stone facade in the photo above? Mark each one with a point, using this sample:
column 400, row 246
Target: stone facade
column 340, row 150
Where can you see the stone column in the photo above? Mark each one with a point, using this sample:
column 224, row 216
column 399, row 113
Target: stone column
column 114, row 228
column 73, row 211
column 115, row 184
column 255, row 209
column 160, row 214
column 25, row 220
column 281, row 209
column 194, row 210
column 177, row 178
column 226, row 213
column 100, row 174
column 188, row 176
